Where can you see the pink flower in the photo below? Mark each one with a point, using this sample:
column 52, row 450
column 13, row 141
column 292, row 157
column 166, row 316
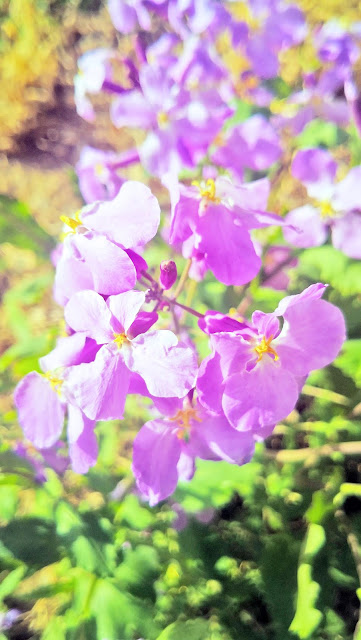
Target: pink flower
column 98, row 250
column 336, row 205
column 165, row 449
column 99, row 388
column 213, row 221
column 255, row 372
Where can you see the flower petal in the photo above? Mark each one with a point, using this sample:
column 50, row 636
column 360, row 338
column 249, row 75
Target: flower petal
column 228, row 248
column 111, row 268
column 168, row 368
column 87, row 312
column 311, row 337
column 100, row 387
column 156, row 451
column 305, row 227
column 41, row 412
column 259, row 398
column 130, row 219
column 124, row 308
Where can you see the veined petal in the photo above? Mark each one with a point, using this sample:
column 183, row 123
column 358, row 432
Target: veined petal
column 87, row 312
column 313, row 292
column 41, row 412
column 100, row 387
column 168, row 368
column 156, row 451
column 259, row 398
column 228, row 248
column 124, row 308
column 111, row 268
column 83, row 446
column 312, row 336
column 215, row 439
column 130, row 219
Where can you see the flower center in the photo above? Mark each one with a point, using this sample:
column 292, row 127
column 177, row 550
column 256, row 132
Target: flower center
column 265, row 347
column 55, row 382
column 120, row 339
column 326, row 209
column 207, row 190
column 183, row 418
column 162, row 119
column 73, row 223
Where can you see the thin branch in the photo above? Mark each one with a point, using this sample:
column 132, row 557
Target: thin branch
column 310, row 455
column 183, row 279
column 325, row 394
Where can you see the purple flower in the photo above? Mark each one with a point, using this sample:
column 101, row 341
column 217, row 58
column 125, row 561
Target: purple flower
column 213, row 220
column 97, row 172
column 181, row 126
column 98, row 250
column 99, row 388
column 126, row 15
column 94, row 68
column 253, row 144
column 42, row 401
column 334, row 205
column 255, row 372
column 164, row 450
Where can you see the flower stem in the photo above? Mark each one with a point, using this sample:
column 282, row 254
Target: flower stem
column 183, row 278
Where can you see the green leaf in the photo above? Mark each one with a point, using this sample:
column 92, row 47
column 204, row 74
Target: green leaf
column 350, row 360
column 11, row 581
column 307, row 617
column 189, row 630
column 119, row 615
column 317, row 133
column 20, row 229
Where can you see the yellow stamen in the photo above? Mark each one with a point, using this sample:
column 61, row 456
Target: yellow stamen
column 207, row 190
column 73, row 223
column 326, row 209
column 183, row 418
column 265, row 347
column 162, row 119
column 99, row 170
column 120, row 339
column 55, row 382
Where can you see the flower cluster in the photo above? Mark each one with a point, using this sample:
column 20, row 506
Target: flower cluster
column 125, row 330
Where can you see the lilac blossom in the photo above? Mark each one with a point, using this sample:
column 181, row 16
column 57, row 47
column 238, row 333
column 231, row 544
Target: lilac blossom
column 253, row 144
column 43, row 401
column 128, row 15
column 213, row 221
column 165, row 449
column 98, row 251
column 181, row 125
column 98, row 175
column 256, row 371
column 128, row 346
column 335, row 206
column 94, row 68
column 280, row 26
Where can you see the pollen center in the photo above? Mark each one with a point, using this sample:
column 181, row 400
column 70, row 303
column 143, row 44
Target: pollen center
column 183, row 418
column 73, row 223
column 207, row 190
column 120, row 339
column 162, row 119
column 55, row 382
column 265, row 347
column 326, row 209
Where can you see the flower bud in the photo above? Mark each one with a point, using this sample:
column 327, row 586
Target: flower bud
column 168, row 274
